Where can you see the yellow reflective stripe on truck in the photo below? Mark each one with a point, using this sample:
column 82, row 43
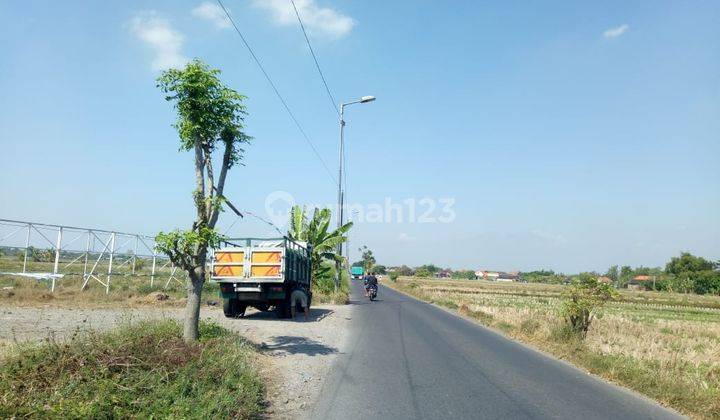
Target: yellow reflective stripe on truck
column 228, row 270
column 265, row 271
column 265, row 257
column 230, row 256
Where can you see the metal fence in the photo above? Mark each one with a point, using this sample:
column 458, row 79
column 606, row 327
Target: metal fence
column 50, row 252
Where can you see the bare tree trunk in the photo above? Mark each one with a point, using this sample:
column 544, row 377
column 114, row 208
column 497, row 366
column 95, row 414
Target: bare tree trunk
column 192, row 308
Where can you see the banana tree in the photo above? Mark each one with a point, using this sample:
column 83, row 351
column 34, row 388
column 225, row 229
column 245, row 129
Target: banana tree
column 317, row 233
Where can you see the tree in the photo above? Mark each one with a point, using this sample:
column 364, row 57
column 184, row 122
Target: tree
column 209, row 115
column 691, row 273
column 582, row 300
column 707, row 281
column 368, row 260
column 423, row 272
column 687, row 262
column 431, row 268
column 626, row 273
column 613, row 274
column 379, row 269
column 404, row 270
column 316, row 232
column 464, row 274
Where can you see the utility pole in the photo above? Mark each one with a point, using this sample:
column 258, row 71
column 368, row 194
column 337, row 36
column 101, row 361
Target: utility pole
column 341, row 193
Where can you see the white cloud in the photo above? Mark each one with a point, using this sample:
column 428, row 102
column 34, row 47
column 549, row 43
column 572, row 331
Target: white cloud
column 404, row 237
column 616, row 32
column 212, row 12
column 159, row 35
column 321, row 21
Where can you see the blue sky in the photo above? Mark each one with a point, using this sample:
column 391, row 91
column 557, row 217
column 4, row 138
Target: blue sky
column 571, row 135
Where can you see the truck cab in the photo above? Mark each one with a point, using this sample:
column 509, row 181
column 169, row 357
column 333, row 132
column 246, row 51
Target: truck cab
column 262, row 273
column 357, row 272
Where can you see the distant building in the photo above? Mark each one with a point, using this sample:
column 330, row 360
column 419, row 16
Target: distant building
column 495, row 275
column 507, row 277
column 640, row 282
column 443, row 274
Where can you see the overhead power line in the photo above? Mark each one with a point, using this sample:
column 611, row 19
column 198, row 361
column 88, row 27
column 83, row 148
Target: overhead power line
column 275, row 89
column 317, row 65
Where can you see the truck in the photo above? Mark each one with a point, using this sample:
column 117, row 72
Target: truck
column 357, row 272
column 262, row 273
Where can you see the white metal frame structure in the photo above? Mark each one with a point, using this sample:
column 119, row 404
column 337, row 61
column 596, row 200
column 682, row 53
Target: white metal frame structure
column 65, row 242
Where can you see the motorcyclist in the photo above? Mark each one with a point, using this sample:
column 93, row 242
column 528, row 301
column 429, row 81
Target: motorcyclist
column 370, row 281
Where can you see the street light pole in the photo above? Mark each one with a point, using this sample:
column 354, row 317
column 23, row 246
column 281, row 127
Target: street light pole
column 340, row 171
column 341, row 193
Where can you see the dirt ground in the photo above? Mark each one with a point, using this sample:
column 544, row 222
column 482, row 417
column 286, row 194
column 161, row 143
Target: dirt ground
column 298, row 353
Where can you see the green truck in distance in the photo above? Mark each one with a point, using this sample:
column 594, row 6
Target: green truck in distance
column 357, row 272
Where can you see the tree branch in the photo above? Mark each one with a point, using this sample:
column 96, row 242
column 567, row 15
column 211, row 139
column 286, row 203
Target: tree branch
column 221, row 181
column 211, row 181
column 200, row 181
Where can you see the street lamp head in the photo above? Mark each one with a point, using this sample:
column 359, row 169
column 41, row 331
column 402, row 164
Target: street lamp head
column 367, row 99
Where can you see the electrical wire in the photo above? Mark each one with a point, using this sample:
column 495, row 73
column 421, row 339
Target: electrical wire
column 317, row 65
column 277, row 93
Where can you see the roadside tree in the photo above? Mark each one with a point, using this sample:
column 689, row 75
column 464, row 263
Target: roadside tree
column 368, row 260
column 582, row 302
column 210, row 116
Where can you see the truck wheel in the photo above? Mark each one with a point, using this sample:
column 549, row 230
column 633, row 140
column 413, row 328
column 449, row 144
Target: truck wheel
column 282, row 310
column 230, row 307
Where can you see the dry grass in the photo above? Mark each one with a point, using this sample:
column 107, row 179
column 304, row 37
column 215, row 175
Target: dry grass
column 664, row 345
column 126, row 289
column 18, row 291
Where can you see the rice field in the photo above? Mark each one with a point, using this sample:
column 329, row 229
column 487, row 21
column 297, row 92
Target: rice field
column 664, row 345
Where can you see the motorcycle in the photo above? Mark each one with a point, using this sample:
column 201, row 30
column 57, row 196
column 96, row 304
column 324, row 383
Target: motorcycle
column 372, row 292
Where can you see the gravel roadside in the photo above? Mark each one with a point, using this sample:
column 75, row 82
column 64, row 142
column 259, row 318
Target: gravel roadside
column 299, row 354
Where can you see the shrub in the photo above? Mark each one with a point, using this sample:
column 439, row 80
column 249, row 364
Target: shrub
column 582, row 301
column 394, row 275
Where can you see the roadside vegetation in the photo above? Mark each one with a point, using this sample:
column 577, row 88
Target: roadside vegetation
column 664, row 345
column 324, row 287
column 143, row 370
column 323, row 242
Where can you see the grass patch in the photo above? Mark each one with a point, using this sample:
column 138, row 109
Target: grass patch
column 143, row 370
column 695, row 390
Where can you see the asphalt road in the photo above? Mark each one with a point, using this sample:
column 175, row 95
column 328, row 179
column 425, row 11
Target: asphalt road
column 409, row 359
